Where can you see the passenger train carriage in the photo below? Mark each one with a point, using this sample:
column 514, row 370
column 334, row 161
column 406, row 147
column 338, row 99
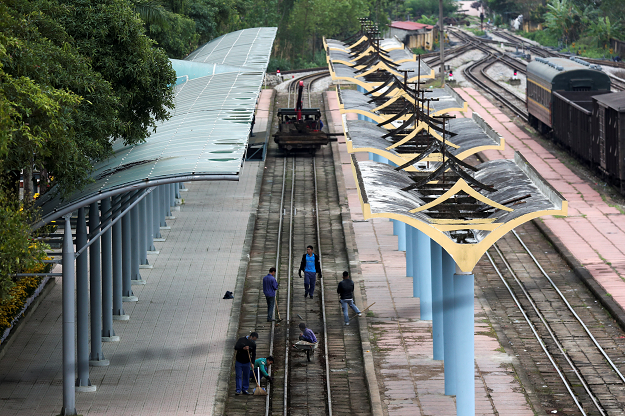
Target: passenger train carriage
column 547, row 75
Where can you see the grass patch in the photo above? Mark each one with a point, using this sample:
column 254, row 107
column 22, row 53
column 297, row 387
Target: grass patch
column 542, row 37
column 476, row 32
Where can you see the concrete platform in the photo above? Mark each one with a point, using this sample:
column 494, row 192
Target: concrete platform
column 180, row 331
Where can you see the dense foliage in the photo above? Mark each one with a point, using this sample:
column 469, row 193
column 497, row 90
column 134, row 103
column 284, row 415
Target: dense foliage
column 75, row 75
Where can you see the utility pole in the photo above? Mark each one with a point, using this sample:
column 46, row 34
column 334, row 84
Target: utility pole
column 442, row 41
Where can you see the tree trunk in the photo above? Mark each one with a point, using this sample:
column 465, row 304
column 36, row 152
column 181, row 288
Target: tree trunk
column 28, row 184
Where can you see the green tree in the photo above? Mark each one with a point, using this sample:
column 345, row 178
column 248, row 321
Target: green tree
column 112, row 37
column 418, row 8
column 178, row 37
column 603, row 29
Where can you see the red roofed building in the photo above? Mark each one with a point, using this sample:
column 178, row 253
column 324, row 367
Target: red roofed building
column 414, row 34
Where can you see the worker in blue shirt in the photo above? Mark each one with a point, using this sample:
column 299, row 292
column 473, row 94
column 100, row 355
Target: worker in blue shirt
column 310, row 266
column 270, row 285
column 307, row 334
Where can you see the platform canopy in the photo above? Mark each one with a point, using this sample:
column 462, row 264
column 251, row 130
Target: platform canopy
column 205, row 137
column 464, row 219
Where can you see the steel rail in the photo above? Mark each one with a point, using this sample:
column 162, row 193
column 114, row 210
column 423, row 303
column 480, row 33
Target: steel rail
column 288, row 298
column 552, row 335
column 533, row 328
column 468, row 73
column 568, row 305
column 323, row 296
column 273, row 323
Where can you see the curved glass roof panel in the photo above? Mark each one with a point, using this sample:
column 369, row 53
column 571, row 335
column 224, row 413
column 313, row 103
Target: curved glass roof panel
column 240, row 48
column 205, row 137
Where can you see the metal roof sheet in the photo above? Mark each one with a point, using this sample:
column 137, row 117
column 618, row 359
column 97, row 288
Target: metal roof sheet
column 472, row 133
column 247, row 48
column 448, row 99
column 381, row 187
column 205, row 137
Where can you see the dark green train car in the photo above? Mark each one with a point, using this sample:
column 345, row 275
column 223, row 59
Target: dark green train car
column 546, row 75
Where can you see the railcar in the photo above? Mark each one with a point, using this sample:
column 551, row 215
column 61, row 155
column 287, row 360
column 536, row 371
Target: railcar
column 547, row 75
column 300, row 129
column 608, row 138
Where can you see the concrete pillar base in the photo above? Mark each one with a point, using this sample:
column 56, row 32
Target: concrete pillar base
column 159, row 239
column 169, row 217
column 167, row 227
column 137, row 282
column 179, row 202
column 114, row 338
column 86, row 389
column 99, row 363
column 154, row 251
column 122, row 317
column 146, row 266
column 129, row 299
column 182, row 190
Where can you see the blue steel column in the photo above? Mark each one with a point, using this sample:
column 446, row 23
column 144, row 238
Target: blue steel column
column 149, row 209
column 118, row 307
column 177, row 188
column 127, row 295
column 168, row 200
column 156, row 212
column 465, row 344
column 143, row 234
column 416, row 260
column 409, row 251
column 395, row 227
column 162, row 201
column 401, row 236
column 437, row 300
column 135, row 241
column 82, row 307
column 425, row 276
column 172, row 196
column 108, row 334
column 69, row 330
column 96, row 358
column 449, row 340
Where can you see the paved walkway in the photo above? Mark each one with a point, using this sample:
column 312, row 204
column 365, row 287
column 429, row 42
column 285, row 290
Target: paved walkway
column 172, row 349
column 410, row 381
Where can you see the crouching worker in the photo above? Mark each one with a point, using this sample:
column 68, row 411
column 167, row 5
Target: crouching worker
column 260, row 369
column 307, row 334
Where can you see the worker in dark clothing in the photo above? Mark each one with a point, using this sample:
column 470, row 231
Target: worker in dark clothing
column 307, row 334
column 270, row 285
column 310, row 266
column 346, row 290
column 246, row 349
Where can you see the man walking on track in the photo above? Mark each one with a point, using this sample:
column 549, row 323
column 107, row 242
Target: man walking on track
column 346, row 290
column 246, row 354
column 310, row 266
column 270, row 285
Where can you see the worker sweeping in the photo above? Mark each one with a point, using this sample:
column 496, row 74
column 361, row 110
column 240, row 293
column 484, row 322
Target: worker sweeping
column 261, row 366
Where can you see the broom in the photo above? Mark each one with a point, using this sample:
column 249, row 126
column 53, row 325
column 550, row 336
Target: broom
column 259, row 391
column 362, row 311
column 278, row 311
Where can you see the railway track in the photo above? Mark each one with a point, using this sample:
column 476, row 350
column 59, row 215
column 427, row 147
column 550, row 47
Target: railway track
column 299, row 202
column 581, row 357
column 476, row 73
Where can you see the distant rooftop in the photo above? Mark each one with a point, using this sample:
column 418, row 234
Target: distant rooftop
column 410, row 25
